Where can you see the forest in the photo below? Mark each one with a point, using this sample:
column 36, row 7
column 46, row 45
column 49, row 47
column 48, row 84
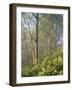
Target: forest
column 41, row 44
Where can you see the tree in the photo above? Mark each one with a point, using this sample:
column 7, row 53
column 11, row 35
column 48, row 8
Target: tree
column 50, row 32
column 29, row 24
column 41, row 35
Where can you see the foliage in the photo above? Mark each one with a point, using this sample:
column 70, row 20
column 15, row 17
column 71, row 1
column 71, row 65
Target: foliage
column 40, row 32
column 45, row 66
column 41, row 44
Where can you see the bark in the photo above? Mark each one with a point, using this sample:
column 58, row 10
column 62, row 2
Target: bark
column 32, row 47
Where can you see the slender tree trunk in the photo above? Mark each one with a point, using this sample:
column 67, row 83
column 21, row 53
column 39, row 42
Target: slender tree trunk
column 32, row 47
column 26, row 45
column 36, row 40
column 37, row 18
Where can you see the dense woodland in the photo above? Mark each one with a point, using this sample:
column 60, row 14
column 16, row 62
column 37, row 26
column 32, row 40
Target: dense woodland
column 41, row 44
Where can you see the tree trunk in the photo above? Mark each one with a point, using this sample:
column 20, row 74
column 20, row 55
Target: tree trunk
column 32, row 47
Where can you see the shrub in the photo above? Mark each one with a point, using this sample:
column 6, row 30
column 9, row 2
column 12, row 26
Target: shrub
column 46, row 66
